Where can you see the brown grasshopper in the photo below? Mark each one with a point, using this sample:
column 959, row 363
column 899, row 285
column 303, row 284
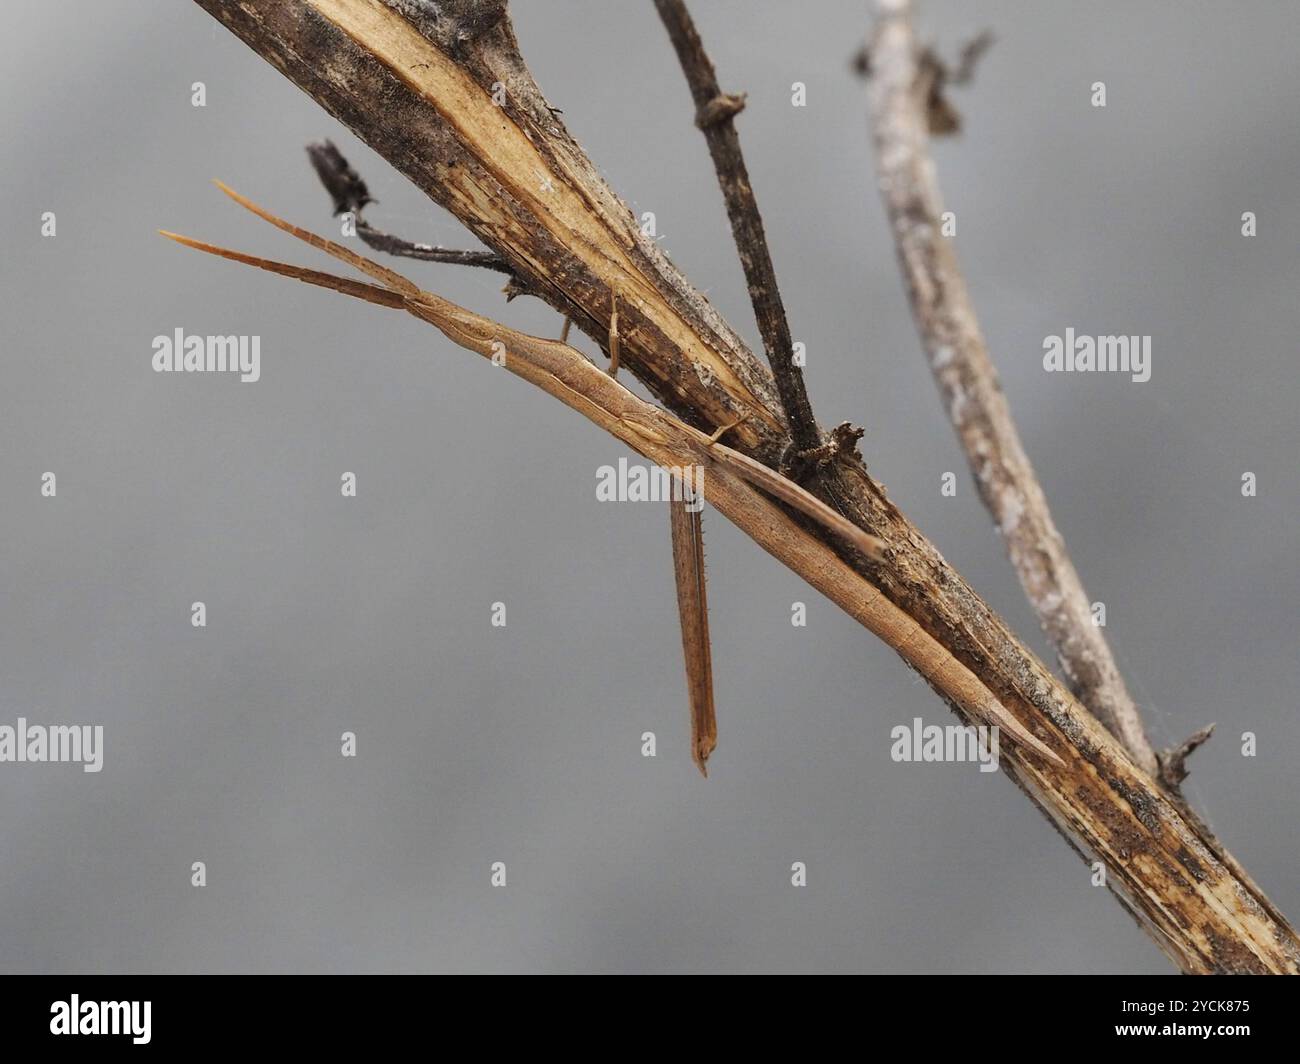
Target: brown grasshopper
column 565, row 373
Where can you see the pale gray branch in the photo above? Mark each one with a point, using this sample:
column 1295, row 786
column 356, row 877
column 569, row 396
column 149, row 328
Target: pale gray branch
column 968, row 381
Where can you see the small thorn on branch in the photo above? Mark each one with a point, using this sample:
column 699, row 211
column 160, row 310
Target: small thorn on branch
column 860, row 64
column 934, row 76
column 969, row 57
column 1173, row 762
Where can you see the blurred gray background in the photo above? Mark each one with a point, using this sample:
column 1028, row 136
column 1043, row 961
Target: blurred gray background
column 523, row 745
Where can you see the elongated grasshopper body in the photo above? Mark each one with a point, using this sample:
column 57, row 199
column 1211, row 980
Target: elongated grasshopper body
column 740, row 486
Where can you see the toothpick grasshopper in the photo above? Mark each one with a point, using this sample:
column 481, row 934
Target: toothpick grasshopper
column 739, row 486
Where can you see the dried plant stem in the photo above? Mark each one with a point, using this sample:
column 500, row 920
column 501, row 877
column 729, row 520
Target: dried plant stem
column 516, row 178
column 972, row 394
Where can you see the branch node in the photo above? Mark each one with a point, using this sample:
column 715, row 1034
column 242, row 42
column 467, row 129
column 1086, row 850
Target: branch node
column 934, row 76
column 722, row 108
column 1173, row 762
column 840, row 444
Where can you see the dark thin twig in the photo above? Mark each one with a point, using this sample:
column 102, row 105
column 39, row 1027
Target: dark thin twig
column 409, row 249
column 968, row 59
column 714, row 113
column 937, row 76
column 349, row 193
